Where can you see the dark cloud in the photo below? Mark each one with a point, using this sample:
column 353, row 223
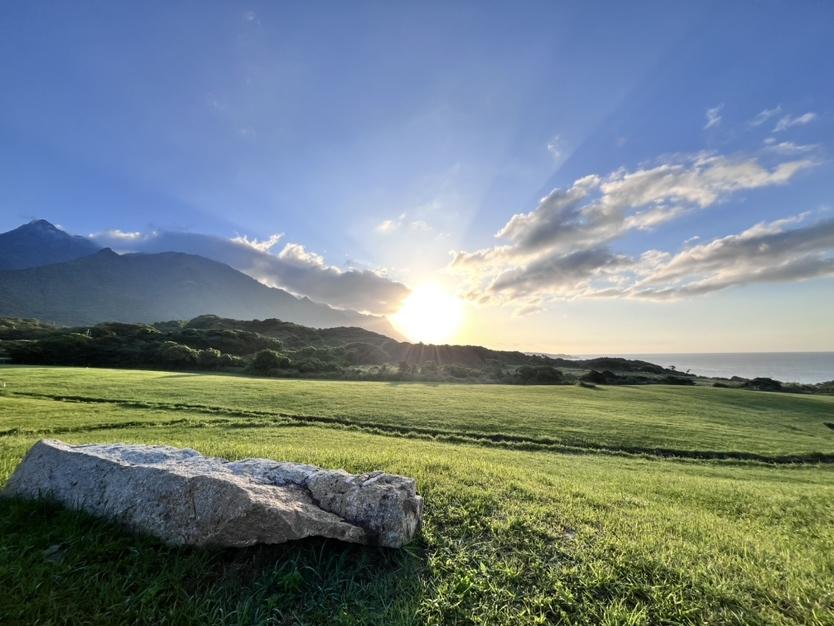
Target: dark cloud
column 559, row 274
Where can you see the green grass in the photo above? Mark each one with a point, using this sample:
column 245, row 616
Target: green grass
column 510, row 536
column 672, row 418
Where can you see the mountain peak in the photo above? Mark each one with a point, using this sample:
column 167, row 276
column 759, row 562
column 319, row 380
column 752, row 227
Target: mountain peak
column 106, row 253
column 41, row 243
column 44, row 225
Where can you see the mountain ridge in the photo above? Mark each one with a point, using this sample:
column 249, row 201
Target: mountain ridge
column 139, row 288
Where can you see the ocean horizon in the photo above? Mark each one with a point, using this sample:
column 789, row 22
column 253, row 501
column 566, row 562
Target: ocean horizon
column 796, row 367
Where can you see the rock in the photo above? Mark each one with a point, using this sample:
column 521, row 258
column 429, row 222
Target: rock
column 182, row 497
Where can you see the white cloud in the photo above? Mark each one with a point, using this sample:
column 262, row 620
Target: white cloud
column 713, row 116
column 118, row 235
column 789, row 148
column 403, row 222
column 298, row 255
column 561, row 249
column 765, row 115
column 262, row 245
column 387, row 226
column 554, row 147
column 766, row 252
column 799, row 120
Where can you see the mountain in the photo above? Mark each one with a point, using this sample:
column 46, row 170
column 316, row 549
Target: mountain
column 40, row 243
column 106, row 286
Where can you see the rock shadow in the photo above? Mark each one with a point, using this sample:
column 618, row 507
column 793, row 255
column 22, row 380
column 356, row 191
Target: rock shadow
column 69, row 567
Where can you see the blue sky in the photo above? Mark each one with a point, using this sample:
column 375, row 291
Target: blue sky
column 382, row 136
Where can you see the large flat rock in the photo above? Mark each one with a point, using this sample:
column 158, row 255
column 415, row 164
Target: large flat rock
column 183, row 497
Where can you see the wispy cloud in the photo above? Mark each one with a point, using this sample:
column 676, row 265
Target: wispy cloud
column 555, row 147
column 789, row 121
column 765, row 115
column 789, row 148
column 713, row 116
column 116, row 235
column 403, row 222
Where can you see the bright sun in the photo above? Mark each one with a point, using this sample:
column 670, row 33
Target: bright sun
column 430, row 314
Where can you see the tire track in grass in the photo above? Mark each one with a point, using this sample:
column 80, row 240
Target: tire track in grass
column 264, row 419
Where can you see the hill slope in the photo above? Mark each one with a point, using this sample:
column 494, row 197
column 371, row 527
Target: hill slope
column 295, row 336
column 144, row 288
column 40, row 243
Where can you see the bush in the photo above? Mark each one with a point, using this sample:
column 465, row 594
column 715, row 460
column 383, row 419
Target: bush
column 177, row 355
column 267, row 361
column 458, row 371
column 539, row 375
column 764, row 384
column 209, row 358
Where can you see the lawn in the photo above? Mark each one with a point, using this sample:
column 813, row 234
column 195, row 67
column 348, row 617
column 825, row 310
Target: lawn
column 511, row 536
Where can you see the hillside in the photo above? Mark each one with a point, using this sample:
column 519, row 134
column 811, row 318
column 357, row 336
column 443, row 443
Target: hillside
column 41, row 243
column 296, row 336
column 107, row 286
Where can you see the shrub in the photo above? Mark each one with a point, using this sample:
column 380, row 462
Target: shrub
column 209, row 358
column 539, row 375
column 266, row 361
column 177, row 355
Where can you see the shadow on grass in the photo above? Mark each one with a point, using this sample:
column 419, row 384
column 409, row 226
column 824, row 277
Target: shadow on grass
column 425, row 383
column 58, row 566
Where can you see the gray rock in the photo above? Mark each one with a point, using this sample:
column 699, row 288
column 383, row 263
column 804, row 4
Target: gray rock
column 182, row 497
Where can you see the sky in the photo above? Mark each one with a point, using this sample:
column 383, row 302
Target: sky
column 586, row 177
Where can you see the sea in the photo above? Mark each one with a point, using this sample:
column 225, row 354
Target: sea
column 794, row 367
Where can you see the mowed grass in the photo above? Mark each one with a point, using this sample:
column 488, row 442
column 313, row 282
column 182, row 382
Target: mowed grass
column 510, row 536
column 644, row 418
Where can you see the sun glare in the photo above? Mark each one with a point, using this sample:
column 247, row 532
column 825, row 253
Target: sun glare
column 430, row 314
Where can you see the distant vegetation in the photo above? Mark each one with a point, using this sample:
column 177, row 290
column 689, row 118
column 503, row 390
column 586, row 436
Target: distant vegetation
column 275, row 348
column 272, row 347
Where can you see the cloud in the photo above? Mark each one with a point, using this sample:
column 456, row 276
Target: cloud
column 263, row 246
column 554, row 147
column 788, row 122
column 713, row 116
column 387, row 227
column 562, row 248
column 766, row 252
column 561, row 275
column 788, row 148
column 765, row 115
column 298, row 256
column 294, row 268
column 117, row 235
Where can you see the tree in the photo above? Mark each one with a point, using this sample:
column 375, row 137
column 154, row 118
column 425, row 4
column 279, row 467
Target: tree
column 540, row 375
column 267, row 360
column 209, row 358
column 177, row 355
column 404, row 369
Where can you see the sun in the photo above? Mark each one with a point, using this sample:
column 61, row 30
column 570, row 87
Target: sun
column 430, row 315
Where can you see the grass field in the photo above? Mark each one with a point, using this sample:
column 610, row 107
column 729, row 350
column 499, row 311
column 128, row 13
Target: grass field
column 543, row 504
